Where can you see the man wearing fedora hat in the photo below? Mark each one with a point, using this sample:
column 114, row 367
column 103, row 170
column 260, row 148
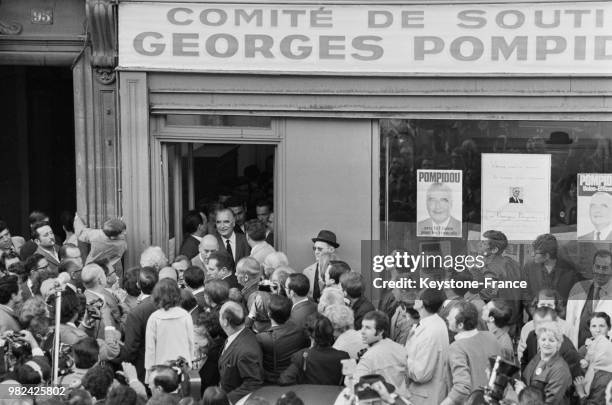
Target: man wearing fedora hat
column 325, row 242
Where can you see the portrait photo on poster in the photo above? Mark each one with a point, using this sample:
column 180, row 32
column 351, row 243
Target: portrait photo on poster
column 439, row 202
column 516, row 195
column 594, row 207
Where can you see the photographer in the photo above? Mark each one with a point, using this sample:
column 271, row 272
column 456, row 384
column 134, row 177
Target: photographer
column 70, row 334
column 30, row 364
column 86, row 354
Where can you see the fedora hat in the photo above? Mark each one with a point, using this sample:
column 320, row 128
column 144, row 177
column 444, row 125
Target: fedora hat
column 328, row 237
column 559, row 138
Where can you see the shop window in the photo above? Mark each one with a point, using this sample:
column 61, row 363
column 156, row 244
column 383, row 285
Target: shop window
column 409, row 145
column 206, row 120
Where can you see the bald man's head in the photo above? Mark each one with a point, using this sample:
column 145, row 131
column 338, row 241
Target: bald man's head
column 93, row 276
column 208, row 245
column 231, row 317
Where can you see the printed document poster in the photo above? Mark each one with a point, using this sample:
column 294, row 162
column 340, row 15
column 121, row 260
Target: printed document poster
column 439, row 202
column 515, row 194
column 594, row 210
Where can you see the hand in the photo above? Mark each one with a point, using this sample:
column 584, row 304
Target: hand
column 130, row 371
column 28, row 337
column 519, row 386
column 579, row 384
column 382, row 391
column 584, row 363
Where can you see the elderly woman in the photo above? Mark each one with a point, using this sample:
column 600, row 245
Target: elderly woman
column 347, row 338
column 273, row 261
column 169, row 332
column 592, row 387
column 547, row 370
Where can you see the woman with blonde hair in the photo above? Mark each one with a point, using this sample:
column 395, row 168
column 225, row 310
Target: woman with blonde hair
column 547, row 370
column 346, row 337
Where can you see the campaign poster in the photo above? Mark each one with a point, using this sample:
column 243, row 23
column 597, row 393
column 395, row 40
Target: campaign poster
column 515, row 195
column 439, row 202
column 594, row 210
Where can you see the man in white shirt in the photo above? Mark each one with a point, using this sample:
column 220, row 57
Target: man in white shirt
column 427, row 347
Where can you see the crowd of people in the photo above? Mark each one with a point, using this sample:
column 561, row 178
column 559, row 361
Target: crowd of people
column 230, row 315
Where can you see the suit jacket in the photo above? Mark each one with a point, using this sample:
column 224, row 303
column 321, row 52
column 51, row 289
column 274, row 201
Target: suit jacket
column 453, row 229
column 361, row 307
column 567, row 351
column 301, row 311
column 242, row 247
column 278, row 345
column 240, row 370
column 200, row 299
column 270, row 238
column 512, row 200
column 53, row 262
column 190, row 247
column 310, row 273
column 591, row 236
column 133, row 351
column 317, row 365
column 577, row 300
column 232, row 281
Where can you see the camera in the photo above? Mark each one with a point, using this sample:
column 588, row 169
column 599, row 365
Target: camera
column 501, row 374
column 268, row 286
column 14, row 347
column 94, row 309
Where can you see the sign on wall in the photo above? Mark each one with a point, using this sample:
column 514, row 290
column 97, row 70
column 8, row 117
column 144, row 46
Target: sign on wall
column 439, row 202
column 515, row 195
column 551, row 38
column 594, row 207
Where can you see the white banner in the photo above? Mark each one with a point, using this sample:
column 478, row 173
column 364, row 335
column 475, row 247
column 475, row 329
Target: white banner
column 515, row 197
column 531, row 38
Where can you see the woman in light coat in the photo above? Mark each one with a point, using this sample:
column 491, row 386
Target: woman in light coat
column 169, row 333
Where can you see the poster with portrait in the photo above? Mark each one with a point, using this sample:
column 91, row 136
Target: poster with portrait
column 515, row 195
column 594, row 209
column 439, row 202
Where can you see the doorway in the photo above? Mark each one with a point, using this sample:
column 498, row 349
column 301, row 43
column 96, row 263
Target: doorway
column 203, row 175
column 37, row 145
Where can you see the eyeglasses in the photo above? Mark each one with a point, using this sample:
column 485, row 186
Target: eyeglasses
column 601, row 267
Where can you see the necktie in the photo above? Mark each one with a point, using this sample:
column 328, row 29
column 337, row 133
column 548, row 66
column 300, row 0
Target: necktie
column 316, row 292
column 598, row 236
column 228, row 247
column 596, row 294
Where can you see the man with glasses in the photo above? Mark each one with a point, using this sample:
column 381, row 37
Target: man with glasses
column 325, row 242
column 547, row 270
column 589, row 296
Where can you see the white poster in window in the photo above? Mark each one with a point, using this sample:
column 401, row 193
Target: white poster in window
column 594, row 207
column 439, row 202
column 516, row 194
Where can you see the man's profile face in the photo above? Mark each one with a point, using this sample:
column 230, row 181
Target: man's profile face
column 600, row 210
column 439, row 203
column 321, row 247
column 46, row 238
column 225, row 223
column 602, row 270
column 263, row 213
column 452, row 320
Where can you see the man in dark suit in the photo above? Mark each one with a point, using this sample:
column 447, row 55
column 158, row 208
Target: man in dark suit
column 133, row 351
column 230, row 241
column 43, row 236
column 440, row 222
column 263, row 209
column 220, row 267
column 194, row 281
column 280, row 341
column 238, row 208
column 297, row 286
column 240, row 363
column 194, row 228
column 352, row 284
column 515, row 196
